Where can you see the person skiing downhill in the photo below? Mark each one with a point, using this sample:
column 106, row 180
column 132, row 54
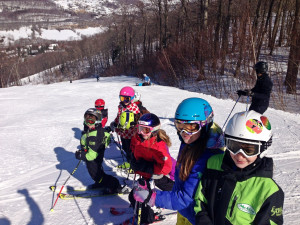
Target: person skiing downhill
column 151, row 159
column 237, row 187
column 200, row 138
column 93, row 144
column 261, row 92
column 126, row 104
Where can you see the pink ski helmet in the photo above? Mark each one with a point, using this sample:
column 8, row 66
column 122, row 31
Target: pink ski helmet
column 127, row 91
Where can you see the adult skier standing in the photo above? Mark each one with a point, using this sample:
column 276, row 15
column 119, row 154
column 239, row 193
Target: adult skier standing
column 261, row 92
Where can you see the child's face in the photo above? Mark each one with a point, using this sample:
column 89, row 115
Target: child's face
column 242, row 161
column 188, row 139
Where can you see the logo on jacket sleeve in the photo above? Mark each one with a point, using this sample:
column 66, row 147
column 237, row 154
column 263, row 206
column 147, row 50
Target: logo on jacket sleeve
column 246, row 208
column 276, row 211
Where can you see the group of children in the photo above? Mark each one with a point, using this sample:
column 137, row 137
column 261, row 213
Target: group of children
column 206, row 184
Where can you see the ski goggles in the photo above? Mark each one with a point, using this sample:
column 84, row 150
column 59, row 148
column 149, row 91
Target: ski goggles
column 142, row 129
column 247, row 148
column 99, row 107
column 90, row 119
column 189, row 127
column 125, row 99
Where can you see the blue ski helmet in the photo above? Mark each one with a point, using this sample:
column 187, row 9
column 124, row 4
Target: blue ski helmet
column 194, row 109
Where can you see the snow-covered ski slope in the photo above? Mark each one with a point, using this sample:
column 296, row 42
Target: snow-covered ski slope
column 40, row 128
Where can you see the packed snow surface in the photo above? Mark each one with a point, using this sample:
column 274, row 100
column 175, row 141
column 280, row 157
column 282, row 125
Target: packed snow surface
column 40, row 128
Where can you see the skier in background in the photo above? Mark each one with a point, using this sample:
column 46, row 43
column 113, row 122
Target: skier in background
column 147, row 80
column 261, row 92
column 237, row 187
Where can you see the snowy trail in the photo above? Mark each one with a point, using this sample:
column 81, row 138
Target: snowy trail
column 40, row 128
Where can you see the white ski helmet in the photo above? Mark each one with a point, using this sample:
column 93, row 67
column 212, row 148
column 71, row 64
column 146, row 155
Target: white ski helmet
column 137, row 96
column 250, row 126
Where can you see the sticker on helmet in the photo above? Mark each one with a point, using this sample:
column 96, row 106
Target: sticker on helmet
column 254, row 126
column 265, row 122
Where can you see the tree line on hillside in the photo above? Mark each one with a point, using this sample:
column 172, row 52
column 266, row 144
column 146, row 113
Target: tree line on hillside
column 202, row 39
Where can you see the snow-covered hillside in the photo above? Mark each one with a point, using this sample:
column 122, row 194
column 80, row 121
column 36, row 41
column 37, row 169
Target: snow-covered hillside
column 40, row 128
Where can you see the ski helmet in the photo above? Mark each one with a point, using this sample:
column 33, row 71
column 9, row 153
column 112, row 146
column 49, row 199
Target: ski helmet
column 93, row 112
column 127, row 91
column 194, row 109
column 250, row 126
column 100, row 103
column 125, row 120
column 137, row 96
column 149, row 122
column 261, row 67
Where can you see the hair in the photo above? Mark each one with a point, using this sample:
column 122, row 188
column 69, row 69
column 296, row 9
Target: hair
column 161, row 134
column 190, row 154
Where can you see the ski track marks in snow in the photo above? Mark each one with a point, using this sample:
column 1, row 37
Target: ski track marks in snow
column 40, row 128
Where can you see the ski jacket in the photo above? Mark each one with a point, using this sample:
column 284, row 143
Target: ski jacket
column 132, row 107
column 152, row 150
column 142, row 109
column 261, row 93
column 104, row 115
column 94, row 143
column 181, row 197
column 229, row 195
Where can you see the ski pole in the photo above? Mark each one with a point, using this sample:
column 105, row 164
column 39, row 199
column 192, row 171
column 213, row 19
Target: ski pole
column 247, row 103
column 139, row 213
column 231, row 111
column 65, row 184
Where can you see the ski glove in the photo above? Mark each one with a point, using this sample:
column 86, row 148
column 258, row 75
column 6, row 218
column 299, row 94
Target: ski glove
column 245, row 92
column 143, row 193
column 141, row 165
column 113, row 125
column 80, row 155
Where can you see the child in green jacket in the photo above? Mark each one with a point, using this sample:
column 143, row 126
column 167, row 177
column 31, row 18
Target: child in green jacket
column 237, row 187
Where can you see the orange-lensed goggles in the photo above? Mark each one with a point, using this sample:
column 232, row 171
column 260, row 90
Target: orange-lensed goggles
column 189, row 127
column 125, row 99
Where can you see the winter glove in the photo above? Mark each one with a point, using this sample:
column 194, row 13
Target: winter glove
column 113, row 125
column 245, row 92
column 80, row 155
column 143, row 193
column 141, row 165
column 108, row 129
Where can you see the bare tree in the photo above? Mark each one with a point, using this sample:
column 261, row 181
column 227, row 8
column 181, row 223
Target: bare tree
column 294, row 57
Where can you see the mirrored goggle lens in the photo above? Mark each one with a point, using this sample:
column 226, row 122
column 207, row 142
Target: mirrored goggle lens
column 249, row 149
column 144, row 129
column 125, row 98
column 189, row 127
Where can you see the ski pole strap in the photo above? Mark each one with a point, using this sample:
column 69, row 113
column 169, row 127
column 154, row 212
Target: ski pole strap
column 150, row 192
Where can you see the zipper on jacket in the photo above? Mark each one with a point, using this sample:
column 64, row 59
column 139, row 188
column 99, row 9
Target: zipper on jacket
column 232, row 206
